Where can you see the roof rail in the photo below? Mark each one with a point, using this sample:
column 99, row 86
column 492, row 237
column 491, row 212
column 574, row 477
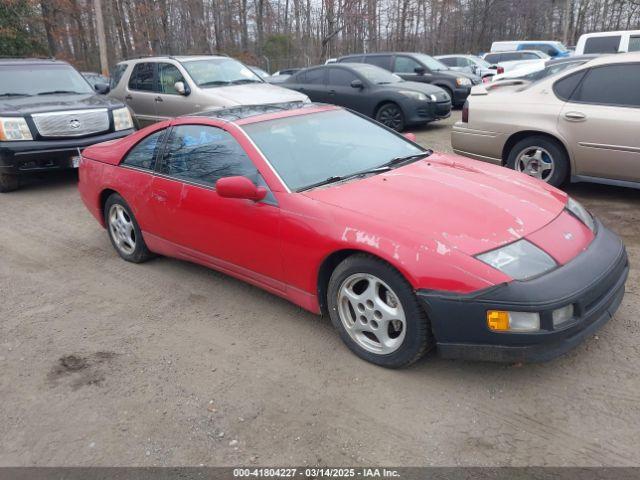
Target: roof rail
column 173, row 56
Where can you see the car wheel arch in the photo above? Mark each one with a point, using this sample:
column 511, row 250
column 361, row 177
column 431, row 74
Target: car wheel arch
column 331, row 261
column 516, row 137
column 102, row 201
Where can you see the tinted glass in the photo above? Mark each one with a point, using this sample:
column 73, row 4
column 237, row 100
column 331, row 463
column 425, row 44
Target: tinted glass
column 310, row 148
column 143, row 155
column 341, row 77
column 548, row 49
column 611, row 85
column 314, row 76
column 168, row 75
column 565, row 87
column 529, row 56
column 602, row 44
column 449, row 62
column 404, row 64
column 510, row 57
column 116, row 74
column 203, row 154
column 492, row 58
column 383, row 61
column 39, row 79
column 142, row 77
column 634, row 43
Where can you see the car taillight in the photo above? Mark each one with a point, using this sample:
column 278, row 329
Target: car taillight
column 500, row 70
column 465, row 112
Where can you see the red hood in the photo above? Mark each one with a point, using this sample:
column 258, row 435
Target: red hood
column 451, row 201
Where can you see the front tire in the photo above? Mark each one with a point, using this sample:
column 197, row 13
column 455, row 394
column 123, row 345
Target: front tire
column 8, row 183
column 540, row 157
column 390, row 115
column 376, row 312
column 124, row 232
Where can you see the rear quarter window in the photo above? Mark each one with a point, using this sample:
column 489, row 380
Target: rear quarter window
column 565, row 87
column 602, row 44
column 116, row 74
column 144, row 154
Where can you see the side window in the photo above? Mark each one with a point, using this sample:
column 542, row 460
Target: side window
column 404, row 64
column 382, row 61
column 142, row 77
column 168, row 75
column 565, row 87
column 315, row 76
column 202, row 154
column 610, row 85
column 116, row 74
column 354, row 59
column 529, row 56
column 143, row 155
column 341, row 77
column 449, row 62
column 493, row 58
column 634, row 43
column 464, row 62
column 602, row 44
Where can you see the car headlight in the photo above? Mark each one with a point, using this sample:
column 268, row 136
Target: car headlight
column 577, row 210
column 520, row 260
column 13, row 129
column 433, row 97
column 122, row 119
column 306, row 99
column 463, row 82
column 415, row 95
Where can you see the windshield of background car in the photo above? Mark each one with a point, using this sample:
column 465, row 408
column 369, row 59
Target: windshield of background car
column 376, row 75
column 41, row 79
column 307, row 149
column 430, row 62
column 481, row 62
column 218, row 72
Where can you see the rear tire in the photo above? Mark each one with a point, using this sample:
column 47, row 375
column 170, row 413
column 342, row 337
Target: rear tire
column 540, row 157
column 8, row 183
column 391, row 116
column 123, row 230
column 377, row 313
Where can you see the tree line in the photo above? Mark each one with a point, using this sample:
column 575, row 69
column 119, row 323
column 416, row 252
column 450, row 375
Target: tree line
column 280, row 33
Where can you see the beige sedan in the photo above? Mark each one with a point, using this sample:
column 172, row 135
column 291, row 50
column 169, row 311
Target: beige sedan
column 582, row 124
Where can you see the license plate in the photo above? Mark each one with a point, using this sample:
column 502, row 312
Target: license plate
column 75, row 161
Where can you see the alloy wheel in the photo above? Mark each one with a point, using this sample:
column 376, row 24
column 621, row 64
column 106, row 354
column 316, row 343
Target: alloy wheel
column 371, row 313
column 121, row 229
column 536, row 162
column 391, row 116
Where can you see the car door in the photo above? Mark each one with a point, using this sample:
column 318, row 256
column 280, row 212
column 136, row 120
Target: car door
column 141, row 93
column 405, row 67
column 311, row 82
column 601, row 121
column 170, row 103
column 236, row 235
column 340, row 91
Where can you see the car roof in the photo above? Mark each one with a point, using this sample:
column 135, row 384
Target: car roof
column 514, row 51
column 616, row 58
column 246, row 114
column 178, row 58
column 573, row 58
column 31, row 61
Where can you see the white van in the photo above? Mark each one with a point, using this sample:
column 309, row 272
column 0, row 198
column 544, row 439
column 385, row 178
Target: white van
column 550, row 47
column 609, row 42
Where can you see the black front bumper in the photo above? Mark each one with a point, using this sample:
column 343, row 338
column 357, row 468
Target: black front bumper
column 460, row 95
column 421, row 112
column 19, row 158
column 593, row 282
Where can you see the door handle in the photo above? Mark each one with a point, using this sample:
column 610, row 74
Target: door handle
column 128, row 97
column 158, row 99
column 160, row 195
column 332, row 92
column 575, row 116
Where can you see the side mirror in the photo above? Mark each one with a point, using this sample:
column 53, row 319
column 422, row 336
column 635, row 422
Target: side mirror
column 420, row 70
column 410, row 136
column 357, row 84
column 102, row 88
column 240, row 187
column 181, row 88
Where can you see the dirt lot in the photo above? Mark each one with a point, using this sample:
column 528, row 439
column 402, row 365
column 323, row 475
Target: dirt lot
column 103, row 362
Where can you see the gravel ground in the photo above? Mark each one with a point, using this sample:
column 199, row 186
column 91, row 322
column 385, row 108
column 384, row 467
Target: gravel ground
column 103, row 362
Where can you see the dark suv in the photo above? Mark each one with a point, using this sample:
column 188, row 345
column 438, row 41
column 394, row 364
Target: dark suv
column 48, row 114
column 418, row 67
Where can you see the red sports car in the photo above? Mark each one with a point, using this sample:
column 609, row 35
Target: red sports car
column 404, row 248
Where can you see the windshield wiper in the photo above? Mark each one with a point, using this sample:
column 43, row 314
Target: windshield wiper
column 326, row 181
column 12, row 94
column 214, row 82
column 245, row 80
column 56, row 92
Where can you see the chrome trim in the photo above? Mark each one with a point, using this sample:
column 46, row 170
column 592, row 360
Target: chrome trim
column 72, row 123
column 605, row 181
column 603, row 146
column 69, row 112
column 478, row 156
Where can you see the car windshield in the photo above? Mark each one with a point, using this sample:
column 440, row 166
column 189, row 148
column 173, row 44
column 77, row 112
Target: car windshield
column 430, row 62
column 376, row 75
column 309, row 149
column 481, row 62
column 218, row 72
column 47, row 79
